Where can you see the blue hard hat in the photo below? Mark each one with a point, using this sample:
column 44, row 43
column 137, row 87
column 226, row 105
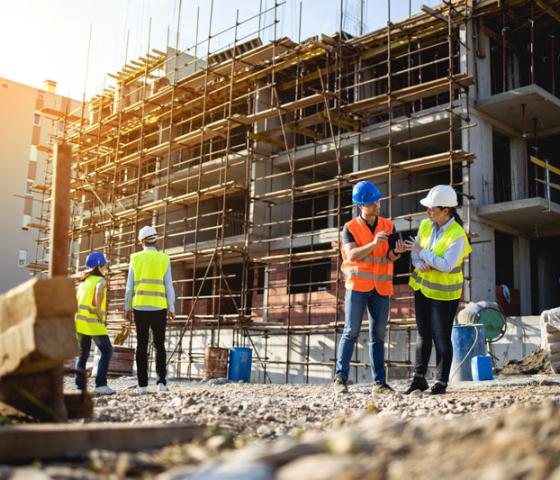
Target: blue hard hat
column 95, row 259
column 365, row 193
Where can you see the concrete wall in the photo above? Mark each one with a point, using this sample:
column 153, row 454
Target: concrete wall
column 521, row 338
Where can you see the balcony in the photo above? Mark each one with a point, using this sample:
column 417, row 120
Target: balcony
column 524, row 109
column 535, row 214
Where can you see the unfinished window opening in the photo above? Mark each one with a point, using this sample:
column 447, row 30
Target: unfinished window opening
column 310, row 275
column 502, row 167
column 311, row 213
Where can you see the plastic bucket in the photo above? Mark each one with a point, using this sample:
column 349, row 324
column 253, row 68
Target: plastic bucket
column 468, row 341
column 240, row 360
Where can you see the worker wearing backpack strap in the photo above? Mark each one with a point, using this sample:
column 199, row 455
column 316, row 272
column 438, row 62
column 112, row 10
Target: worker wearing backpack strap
column 150, row 299
column 437, row 254
column 368, row 258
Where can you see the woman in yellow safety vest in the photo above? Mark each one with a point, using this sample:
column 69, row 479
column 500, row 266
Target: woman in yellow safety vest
column 91, row 321
column 437, row 254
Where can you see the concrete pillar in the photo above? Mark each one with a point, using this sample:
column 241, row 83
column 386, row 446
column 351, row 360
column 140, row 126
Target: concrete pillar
column 478, row 140
column 476, row 61
column 482, row 258
column 518, row 166
column 522, row 272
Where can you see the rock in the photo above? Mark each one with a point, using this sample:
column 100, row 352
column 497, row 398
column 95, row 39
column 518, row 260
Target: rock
column 217, row 442
column 217, row 381
column 28, row 473
column 237, row 470
column 263, row 431
column 320, row 467
column 60, row 472
column 349, row 441
column 278, row 453
column 176, row 402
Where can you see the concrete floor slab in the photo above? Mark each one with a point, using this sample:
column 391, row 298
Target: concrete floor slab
column 507, row 107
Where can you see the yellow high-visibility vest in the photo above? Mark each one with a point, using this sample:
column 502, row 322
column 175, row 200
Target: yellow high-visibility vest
column 87, row 319
column 149, row 267
column 435, row 284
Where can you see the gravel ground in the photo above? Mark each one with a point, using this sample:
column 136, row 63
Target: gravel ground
column 507, row 428
column 269, row 411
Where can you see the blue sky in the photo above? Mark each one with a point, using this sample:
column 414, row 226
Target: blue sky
column 43, row 39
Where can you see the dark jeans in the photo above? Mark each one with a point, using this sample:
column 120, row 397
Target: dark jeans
column 355, row 305
column 154, row 320
column 106, row 349
column 434, row 319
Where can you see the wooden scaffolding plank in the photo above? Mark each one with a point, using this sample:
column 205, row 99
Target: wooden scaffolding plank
column 41, row 442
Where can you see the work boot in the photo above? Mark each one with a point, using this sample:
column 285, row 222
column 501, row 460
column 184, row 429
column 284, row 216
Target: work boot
column 104, row 390
column 340, row 385
column 418, row 383
column 381, row 389
column 438, row 389
column 142, row 390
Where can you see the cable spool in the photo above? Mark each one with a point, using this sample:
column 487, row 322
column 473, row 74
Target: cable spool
column 494, row 321
column 488, row 314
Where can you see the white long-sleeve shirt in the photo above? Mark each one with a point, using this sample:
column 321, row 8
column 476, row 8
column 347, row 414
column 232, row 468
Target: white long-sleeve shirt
column 450, row 258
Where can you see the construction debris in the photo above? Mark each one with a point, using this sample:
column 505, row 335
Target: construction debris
column 37, row 335
column 538, row 361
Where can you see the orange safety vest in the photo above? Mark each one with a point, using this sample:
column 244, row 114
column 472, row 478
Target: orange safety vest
column 375, row 271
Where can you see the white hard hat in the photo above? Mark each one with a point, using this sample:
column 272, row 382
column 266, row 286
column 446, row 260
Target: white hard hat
column 440, row 196
column 147, row 232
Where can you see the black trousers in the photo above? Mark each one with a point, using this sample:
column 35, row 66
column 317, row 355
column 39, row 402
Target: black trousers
column 145, row 321
column 434, row 319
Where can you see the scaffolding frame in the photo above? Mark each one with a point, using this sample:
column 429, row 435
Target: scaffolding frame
column 244, row 160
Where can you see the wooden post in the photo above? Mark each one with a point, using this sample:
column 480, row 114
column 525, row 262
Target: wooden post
column 58, row 253
column 60, row 210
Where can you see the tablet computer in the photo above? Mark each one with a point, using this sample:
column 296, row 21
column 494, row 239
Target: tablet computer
column 393, row 237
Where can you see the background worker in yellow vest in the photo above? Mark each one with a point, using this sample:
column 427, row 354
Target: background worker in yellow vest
column 91, row 321
column 368, row 269
column 438, row 252
column 150, row 295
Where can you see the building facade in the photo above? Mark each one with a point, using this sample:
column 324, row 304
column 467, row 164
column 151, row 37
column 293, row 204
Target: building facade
column 245, row 160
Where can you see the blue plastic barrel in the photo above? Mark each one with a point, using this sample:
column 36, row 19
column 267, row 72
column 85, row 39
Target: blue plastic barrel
column 468, row 341
column 481, row 367
column 240, row 360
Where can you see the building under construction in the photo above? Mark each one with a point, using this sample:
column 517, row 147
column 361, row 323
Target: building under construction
column 244, row 160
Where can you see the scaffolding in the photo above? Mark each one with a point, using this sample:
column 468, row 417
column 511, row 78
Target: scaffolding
column 244, row 158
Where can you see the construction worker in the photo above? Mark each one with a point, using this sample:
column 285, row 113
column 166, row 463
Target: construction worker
column 368, row 258
column 91, row 321
column 437, row 254
column 150, row 295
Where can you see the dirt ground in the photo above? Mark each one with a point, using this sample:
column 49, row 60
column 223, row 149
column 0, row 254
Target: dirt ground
column 295, row 431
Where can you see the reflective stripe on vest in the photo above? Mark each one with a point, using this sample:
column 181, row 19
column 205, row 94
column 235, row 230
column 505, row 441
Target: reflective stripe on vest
column 375, row 271
column 435, row 284
column 149, row 267
column 87, row 319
